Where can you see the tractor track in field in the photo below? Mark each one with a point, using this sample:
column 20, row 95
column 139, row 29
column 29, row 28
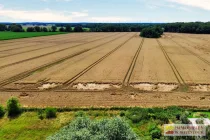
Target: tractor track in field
column 15, row 63
column 21, row 41
column 191, row 41
column 20, row 47
column 70, row 81
column 193, row 37
column 191, row 52
column 173, row 67
column 199, row 38
column 41, row 43
column 29, row 72
column 127, row 78
column 36, row 49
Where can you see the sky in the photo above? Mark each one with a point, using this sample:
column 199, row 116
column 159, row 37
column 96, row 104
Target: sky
column 108, row 11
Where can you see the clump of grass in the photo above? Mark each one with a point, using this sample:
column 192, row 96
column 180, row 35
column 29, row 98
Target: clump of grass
column 80, row 114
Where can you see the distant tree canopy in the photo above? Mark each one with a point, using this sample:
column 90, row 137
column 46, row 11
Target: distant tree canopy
column 191, row 27
column 54, row 28
column 68, row 28
column 152, row 32
column 37, row 29
column 30, row 29
column 44, row 29
column 62, row 29
column 179, row 27
column 78, row 29
column 3, row 27
column 15, row 28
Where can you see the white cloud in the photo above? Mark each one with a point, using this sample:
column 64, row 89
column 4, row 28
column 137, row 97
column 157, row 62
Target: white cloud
column 203, row 4
column 48, row 15
column 42, row 15
column 109, row 19
column 1, row 6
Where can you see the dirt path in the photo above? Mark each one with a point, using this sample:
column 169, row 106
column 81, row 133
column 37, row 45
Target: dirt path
column 108, row 99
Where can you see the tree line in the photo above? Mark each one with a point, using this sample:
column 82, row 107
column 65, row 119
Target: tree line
column 12, row 27
column 191, row 27
column 179, row 27
column 19, row 28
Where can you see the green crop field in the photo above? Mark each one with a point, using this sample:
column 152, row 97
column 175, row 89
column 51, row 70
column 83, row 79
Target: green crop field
column 17, row 35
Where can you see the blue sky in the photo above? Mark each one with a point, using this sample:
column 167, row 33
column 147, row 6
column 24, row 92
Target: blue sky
column 104, row 10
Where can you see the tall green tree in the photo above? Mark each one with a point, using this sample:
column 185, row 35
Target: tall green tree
column 30, row 29
column 68, row 28
column 3, row 27
column 54, row 28
column 37, row 29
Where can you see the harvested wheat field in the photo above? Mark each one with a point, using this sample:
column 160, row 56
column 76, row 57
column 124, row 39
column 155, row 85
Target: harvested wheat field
column 106, row 69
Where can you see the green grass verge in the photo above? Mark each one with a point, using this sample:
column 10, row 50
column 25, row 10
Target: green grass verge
column 29, row 126
column 15, row 35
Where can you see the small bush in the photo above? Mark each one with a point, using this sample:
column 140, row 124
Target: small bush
column 13, row 107
column 41, row 114
column 163, row 117
column 156, row 133
column 137, row 114
column 50, row 112
column 2, row 111
column 122, row 114
column 184, row 119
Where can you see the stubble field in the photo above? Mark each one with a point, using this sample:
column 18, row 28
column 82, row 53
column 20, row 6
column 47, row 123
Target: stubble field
column 106, row 69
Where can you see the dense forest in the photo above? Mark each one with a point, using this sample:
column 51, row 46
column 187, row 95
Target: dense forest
column 179, row 27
